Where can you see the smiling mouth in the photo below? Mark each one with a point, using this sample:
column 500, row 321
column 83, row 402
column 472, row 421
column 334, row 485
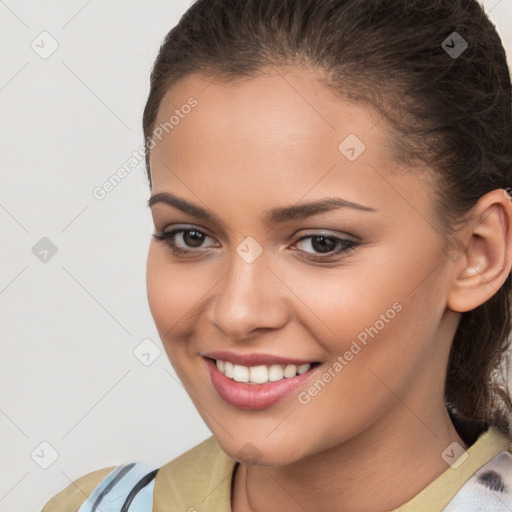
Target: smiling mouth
column 261, row 374
column 275, row 382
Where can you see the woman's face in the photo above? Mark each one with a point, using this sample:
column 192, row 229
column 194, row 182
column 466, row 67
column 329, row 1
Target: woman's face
column 358, row 286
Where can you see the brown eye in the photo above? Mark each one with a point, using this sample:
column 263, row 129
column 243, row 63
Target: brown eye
column 184, row 241
column 322, row 244
column 193, row 238
column 325, row 246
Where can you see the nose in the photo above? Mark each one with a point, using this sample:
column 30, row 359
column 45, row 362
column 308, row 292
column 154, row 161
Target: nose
column 249, row 297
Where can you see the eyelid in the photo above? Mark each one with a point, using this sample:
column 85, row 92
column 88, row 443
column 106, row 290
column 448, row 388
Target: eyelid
column 185, row 227
column 342, row 245
column 180, row 229
column 329, row 234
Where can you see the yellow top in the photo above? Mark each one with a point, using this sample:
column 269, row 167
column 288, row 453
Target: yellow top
column 200, row 479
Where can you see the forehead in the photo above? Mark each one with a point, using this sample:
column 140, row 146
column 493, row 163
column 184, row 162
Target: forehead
column 282, row 132
column 278, row 108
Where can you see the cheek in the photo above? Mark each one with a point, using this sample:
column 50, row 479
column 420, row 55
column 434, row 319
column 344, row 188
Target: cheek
column 172, row 291
column 374, row 313
column 340, row 303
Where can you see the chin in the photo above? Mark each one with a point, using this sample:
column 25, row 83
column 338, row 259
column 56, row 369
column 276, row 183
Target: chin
column 256, row 451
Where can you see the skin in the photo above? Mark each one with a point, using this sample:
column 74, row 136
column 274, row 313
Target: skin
column 378, row 429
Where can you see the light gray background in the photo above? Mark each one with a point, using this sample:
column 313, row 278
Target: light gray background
column 69, row 326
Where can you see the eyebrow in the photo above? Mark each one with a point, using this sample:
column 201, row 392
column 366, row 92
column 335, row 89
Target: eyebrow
column 273, row 216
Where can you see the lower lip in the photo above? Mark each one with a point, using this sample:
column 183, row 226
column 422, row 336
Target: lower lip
column 255, row 396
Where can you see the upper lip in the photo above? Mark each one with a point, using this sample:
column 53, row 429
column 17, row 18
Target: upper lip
column 255, row 359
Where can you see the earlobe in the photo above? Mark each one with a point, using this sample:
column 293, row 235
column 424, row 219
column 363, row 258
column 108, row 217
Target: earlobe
column 487, row 258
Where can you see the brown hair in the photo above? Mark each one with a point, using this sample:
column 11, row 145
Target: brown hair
column 451, row 112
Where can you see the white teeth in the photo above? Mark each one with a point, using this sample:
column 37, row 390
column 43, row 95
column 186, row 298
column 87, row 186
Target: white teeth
column 290, row 371
column 275, row 372
column 260, row 374
column 304, row 368
column 241, row 373
column 228, row 369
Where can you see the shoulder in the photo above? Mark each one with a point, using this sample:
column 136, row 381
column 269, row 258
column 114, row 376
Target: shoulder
column 71, row 498
column 207, row 450
column 490, row 487
column 177, row 483
column 199, row 478
column 199, row 463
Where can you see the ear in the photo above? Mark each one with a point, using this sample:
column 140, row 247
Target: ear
column 485, row 259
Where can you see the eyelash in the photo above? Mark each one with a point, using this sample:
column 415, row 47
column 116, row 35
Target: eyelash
column 344, row 245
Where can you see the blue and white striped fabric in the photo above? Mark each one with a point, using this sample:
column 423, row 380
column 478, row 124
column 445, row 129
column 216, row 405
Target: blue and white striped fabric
column 111, row 493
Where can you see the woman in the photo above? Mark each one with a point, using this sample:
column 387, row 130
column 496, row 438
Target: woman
column 330, row 268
